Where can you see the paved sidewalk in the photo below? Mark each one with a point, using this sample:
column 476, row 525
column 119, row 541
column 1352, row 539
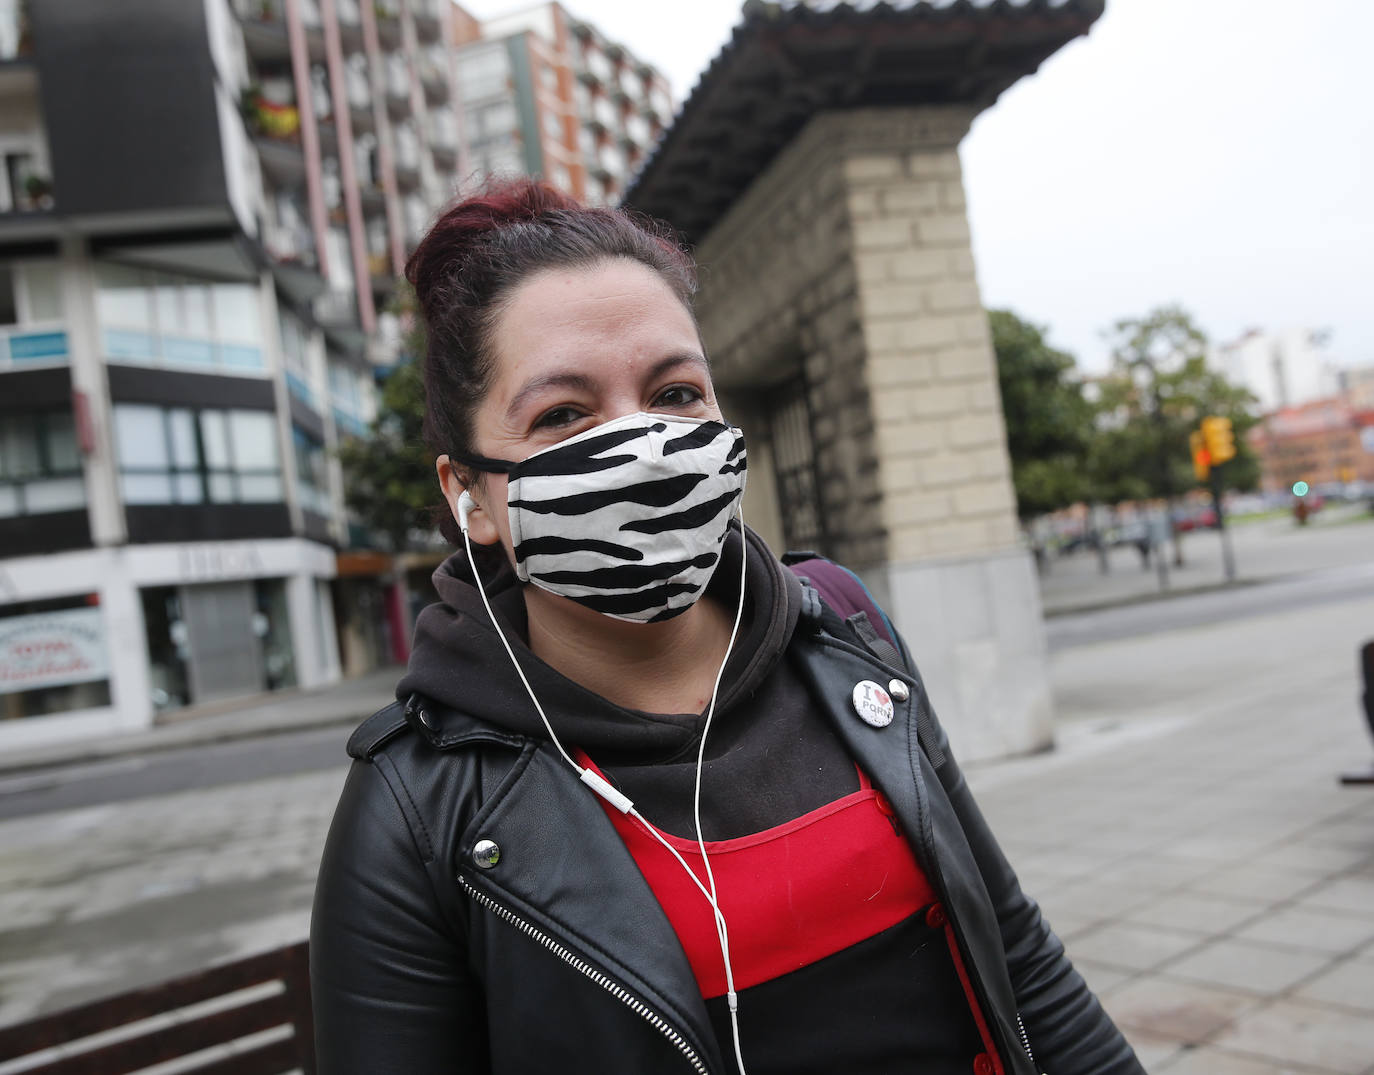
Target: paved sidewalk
column 343, row 703
column 1210, row 878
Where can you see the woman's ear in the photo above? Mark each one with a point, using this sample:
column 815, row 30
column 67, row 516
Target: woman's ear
column 467, row 511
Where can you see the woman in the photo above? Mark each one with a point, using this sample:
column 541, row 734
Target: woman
column 626, row 816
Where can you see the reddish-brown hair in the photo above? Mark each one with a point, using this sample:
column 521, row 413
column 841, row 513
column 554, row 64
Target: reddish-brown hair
column 478, row 251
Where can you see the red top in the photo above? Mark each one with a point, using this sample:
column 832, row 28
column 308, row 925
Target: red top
column 793, row 894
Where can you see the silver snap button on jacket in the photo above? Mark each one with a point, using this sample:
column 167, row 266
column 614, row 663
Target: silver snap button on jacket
column 486, row 854
column 899, row 690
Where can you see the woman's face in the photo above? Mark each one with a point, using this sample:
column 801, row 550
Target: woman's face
column 571, row 349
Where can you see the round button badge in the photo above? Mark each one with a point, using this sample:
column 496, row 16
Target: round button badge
column 873, row 703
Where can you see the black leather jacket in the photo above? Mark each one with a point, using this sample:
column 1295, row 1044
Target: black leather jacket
column 477, row 912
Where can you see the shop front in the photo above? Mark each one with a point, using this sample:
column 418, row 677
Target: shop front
column 109, row 640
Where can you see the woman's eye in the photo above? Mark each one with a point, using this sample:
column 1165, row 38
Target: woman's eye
column 558, row 416
column 678, row 395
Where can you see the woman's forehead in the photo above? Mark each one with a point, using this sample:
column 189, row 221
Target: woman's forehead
column 614, row 311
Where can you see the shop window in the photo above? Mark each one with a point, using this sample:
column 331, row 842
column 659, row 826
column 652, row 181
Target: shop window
column 169, row 650
column 192, row 658
column 40, row 464
column 181, row 456
column 53, row 657
column 164, row 319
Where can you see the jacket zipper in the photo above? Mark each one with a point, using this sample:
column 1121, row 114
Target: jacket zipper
column 587, row 970
column 1025, row 1040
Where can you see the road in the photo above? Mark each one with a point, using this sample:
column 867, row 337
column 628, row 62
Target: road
column 165, row 772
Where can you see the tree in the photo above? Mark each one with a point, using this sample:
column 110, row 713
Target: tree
column 389, row 478
column 1157, row 392
column 1049, row 422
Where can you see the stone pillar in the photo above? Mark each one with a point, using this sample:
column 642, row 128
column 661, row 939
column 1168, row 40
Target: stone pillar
column 847, row 263
column 962, row 589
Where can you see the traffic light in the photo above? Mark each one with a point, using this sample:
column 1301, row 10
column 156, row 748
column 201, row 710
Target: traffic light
column 1219, row 439
column 1202, row 459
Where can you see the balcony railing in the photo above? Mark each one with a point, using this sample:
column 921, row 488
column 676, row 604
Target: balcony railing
column 22, row 346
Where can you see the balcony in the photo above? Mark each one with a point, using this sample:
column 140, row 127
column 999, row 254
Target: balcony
column 275, row 129
column 336, row 308
column 434, row 77
column 397, row 88
column 388, row 14
column 428, row 19
column 16, row 43
column 350, row 20
column 31, row 345
column 264, row 29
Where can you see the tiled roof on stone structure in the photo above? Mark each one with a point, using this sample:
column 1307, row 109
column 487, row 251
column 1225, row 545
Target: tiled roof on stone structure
column 790, row 59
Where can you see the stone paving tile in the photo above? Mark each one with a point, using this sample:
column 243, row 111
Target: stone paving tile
column 1209, row 1061
column 1170, row 1009
column 1101, row 978
column 1197, row 912
column 1152, row 1051
column 1093, row 898
column 1302, row 1033
column 1350, row 984
column 1315, row 858
column 1248, row 966
column 1323, row 931
column 1354, row 894
column 1158, row 872
column 1132, row 947
column 1255, row 883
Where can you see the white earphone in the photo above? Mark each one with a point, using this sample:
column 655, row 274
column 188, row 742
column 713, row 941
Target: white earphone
column 466, row 506
column 602, row 787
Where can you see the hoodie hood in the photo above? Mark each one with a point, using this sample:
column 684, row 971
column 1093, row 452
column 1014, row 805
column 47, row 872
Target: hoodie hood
column 458, row 660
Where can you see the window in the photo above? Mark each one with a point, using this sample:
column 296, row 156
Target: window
column 295, row 351
column 312, row 472
column 175, row 455
column 31, row 314
column 40, row 464
column 53, row 657
column 349, row 393
column 23, row 185
column 156, row 317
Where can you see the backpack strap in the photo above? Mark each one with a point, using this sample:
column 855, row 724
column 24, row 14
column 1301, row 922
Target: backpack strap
column 844, row 592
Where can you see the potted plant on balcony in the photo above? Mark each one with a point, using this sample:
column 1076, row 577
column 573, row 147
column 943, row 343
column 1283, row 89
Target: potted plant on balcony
column 39, row 189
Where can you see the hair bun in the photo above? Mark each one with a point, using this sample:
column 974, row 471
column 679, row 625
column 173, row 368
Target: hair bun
column 500, row 204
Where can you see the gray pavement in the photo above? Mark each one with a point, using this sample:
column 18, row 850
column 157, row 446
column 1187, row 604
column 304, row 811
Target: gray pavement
column 1188, row 839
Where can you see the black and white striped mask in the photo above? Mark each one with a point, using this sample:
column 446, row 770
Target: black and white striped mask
column 628, row 518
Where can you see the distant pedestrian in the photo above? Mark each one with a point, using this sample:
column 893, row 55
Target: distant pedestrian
column 651, row 802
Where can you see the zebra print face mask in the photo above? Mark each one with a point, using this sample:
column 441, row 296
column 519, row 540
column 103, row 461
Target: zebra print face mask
column 628, row 518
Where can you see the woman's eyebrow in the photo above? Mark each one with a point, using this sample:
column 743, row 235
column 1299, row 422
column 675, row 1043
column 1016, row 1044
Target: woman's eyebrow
column 580, row 382
column 577, row 381
column 684, row 358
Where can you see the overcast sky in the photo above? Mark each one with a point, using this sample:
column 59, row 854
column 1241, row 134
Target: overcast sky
column 1214, row 153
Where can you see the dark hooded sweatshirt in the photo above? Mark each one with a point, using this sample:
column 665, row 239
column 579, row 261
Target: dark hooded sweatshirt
column 891, row 1002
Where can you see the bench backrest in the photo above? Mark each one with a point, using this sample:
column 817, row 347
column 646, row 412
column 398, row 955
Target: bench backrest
column 250, row 1017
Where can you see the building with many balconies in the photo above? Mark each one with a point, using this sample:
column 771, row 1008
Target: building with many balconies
column 546, row 94
column 203, row 209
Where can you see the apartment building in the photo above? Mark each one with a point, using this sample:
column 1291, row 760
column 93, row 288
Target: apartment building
column 547, row 94
column 203, row 209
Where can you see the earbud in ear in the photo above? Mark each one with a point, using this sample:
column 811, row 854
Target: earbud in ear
column 466, row 505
